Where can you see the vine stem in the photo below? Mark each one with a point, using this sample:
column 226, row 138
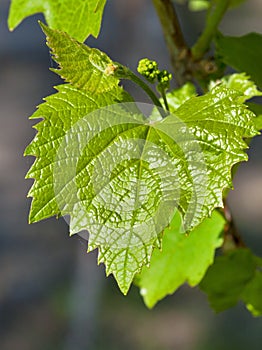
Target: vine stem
column 232, row 238
column 163, row 94
column 214, row 17
column 125, row 73
column 174, row 38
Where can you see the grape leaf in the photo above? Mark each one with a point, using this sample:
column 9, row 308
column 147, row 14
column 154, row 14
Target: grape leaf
column 182, row 258
column 239, row 82
column 242, row 83
column 60, row 112
column 79, row 18
column 178, row 96
column 233, row 277
column 209, row 117
column 241, row 53
column 120, row 175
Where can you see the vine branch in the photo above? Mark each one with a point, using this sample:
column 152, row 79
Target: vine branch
column 214, row 17
column 232, row 238
column 123, row 72
column 174, row 38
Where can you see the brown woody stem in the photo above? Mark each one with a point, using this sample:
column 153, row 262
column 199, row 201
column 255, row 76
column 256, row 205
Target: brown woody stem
column 232, row 238
column 174, row 38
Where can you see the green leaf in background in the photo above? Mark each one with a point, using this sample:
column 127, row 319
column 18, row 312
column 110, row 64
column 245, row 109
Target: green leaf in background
column 233, row 277
column 120, row 175
column 79, row 18
column 183, row 258
column 178, row 96
column 241, row 83
column 252, row 294
column 242, row 53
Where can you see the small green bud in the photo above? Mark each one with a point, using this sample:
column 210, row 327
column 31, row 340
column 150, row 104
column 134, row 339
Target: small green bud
column 164, row 78
column 148, row 69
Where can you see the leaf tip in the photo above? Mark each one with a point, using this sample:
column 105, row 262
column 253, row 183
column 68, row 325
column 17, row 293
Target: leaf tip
column 124, row 287
column 10, row 27
column 31, row 218
column 46, row 30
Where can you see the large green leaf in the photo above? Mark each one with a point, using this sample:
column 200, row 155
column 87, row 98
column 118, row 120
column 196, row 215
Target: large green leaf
column 242, row 53
column 120, row 175
column 183, row 258
column 79, row 18
column 233, row 277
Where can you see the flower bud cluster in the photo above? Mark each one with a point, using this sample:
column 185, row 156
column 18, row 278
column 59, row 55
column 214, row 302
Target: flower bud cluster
column 164, row 78
column 149, row 69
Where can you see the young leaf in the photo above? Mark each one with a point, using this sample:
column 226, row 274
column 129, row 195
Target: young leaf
column 177, row 97
column 79, row 65
column 242, row 53
column 241, row 83
column 119, row 175
column 76, row 17
column 182, row 258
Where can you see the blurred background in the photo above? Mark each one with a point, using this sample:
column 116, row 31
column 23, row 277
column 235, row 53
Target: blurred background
column 52, row 294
